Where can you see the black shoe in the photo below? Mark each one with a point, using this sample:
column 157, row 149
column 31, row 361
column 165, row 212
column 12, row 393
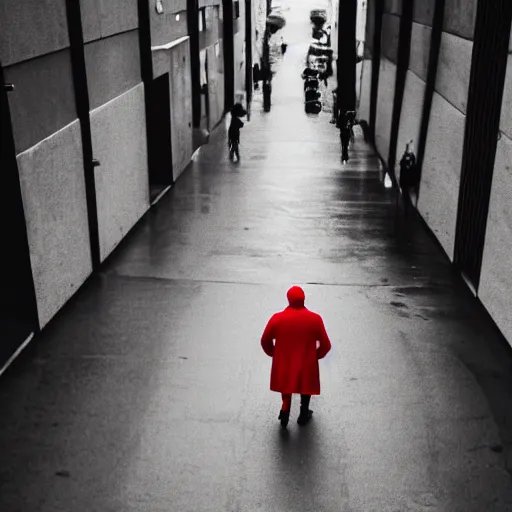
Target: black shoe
column 304, row 417
column 284, row 416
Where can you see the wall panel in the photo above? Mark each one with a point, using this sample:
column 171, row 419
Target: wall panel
column 454, row 69
column 385, row 97
column 410, row 117
column 393, row 6
column 459, row 17
column 440, row 180
column 239, row 54
column 215, row 85
column 423, row 12
column 506, row 109
column 118, row 132
column 420, row 50
column 164, row 27
column 53, row 190
column 91, row 19
column 181, row 107
column 113, row 67
column 496, row 275
column 390, row 34
column 364, row 103
column 104, row 18
column 31, row 28
column 43, row 100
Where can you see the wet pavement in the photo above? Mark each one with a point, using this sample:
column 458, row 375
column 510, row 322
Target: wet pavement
column 150, row 392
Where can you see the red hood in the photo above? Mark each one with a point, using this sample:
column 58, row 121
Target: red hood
column 296, row 296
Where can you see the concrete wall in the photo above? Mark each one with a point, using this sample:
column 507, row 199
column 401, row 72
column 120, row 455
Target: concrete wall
column 387, row 75
column 215, row 83
column 366, row 88
column 34, row 50
column 496, row 276
column 240, row 54
column 439, row 188
column 53, row 191
column 119, row 143
column 211, row 41
column 385, row 97
column 181, row 107
column 104, row 18
column 43, row 100
column 118, row 120
column 113, row 67
column 165, row 27
column 415, row 81
column 31, row 28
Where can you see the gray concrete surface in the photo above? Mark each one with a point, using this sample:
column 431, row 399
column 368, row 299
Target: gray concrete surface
column 150, row 392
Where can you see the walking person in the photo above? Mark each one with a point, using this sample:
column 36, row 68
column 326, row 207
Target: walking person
column 234, row 131
column 409, row 179
column 295, row 354
column 346, row 124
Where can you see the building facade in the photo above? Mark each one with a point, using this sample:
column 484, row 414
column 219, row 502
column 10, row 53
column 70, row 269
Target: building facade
column 439, row 73
column 103, row 106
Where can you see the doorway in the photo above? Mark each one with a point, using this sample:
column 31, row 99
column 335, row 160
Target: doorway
column 159, row 137
column 18, row 310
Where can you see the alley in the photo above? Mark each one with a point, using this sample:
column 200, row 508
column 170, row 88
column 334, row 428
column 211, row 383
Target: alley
column 150, row 391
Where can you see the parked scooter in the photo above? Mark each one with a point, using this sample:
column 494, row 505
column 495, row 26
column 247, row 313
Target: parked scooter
column 312, row 104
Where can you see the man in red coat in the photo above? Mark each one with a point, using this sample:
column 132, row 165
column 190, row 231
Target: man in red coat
column 295, row 354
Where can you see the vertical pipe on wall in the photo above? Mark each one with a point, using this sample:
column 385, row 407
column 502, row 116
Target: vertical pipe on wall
column 248, row 52
column 76, row 40
column 195, row 78
column 229, row 54
column 346, row 64
column 146, row 59
column 376, row 51
column 402, row 65
column 433, row 59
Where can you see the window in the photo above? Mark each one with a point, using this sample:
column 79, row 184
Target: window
column 236, row 9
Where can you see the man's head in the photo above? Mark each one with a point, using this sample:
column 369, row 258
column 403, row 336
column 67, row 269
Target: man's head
column 296, row 297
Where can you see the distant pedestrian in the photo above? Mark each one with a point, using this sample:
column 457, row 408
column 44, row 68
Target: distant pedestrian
column 296, row 331
column 284, row 46
column 234, row 130
column 409, row 179
column 346, row 123
column 335, row 108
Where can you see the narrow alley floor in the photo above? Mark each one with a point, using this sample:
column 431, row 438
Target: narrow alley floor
column 150, row 391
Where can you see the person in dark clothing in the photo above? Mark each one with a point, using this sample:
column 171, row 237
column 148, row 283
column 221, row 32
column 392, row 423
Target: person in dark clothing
column 234, row 131
column 345, row 124
column 335, row 107
column 408, row 177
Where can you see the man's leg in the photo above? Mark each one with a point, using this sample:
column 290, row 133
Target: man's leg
column 284, row 415
column 344, row 149
column 305, row 414
column 237, row 150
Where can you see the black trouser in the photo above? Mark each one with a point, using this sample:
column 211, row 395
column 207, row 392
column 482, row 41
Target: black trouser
column 287, row 401
column 345, row 140
column 234, row 149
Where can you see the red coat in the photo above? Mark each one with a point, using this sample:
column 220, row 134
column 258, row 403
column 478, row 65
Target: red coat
column 295, row 354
